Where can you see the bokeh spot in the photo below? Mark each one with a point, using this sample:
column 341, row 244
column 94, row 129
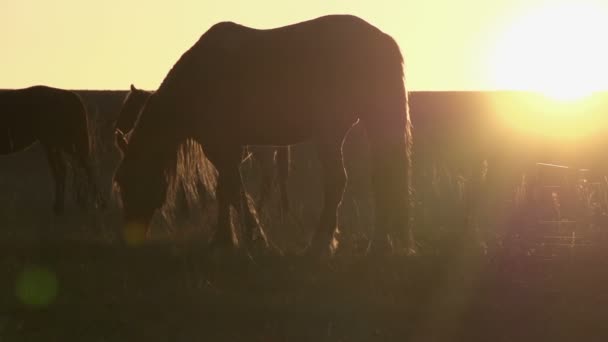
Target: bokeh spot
column 134, row 233
column 36, row 287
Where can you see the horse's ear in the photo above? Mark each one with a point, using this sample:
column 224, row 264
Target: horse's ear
column 133, row 88
column 121, row 141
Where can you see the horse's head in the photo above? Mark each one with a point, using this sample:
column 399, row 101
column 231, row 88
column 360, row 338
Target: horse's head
column 140, row 180
column 129, row 113
column 141, row 186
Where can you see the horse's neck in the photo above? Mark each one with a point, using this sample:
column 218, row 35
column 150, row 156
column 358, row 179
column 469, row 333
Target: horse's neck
column 155, row 137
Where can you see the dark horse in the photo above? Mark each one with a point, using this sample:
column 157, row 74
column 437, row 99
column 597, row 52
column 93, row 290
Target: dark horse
column 279, row 156
column 57, row 119
column 239, row 86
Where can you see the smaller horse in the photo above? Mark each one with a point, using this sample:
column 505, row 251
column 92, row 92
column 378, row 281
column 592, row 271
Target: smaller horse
column 274, row 163
column 57, row 119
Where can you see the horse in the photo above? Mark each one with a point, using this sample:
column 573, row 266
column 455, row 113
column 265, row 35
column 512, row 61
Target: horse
column 310, row 81
column 280, row 155
column 57, row 119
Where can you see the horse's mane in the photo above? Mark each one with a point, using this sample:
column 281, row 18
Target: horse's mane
column 191, row 172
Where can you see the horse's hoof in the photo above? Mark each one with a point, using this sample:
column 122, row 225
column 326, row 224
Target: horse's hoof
column 379, row 247
column 221, row 250
column 264, row 248
column 221, row 256
column 222, row 244
column 256, row 238
column 320, row 249
column 102, row 204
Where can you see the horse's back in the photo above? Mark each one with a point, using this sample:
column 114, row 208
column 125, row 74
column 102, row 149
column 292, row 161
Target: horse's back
column 330, row 47
column 334, row 40
column 331, row 25
column 40, row 113
column 38, row 99
column 286, row 73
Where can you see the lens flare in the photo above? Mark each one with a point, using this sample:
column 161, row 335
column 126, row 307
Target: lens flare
column 36, row 287
column 134, row 233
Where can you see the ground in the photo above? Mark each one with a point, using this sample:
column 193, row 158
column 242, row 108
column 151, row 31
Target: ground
column 180, row 292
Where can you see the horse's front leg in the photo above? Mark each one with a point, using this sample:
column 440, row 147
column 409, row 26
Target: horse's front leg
column 225, row 235
column 253, row 232
column 334, row 178
column 230, row 191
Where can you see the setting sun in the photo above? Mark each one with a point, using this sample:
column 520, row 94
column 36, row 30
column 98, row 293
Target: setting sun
column 557, row 49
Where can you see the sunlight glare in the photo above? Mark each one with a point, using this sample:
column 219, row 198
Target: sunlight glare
column 557, row 50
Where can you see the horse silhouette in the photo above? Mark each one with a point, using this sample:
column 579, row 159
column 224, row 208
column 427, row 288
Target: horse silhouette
column 57, row 119
column 310, row 81
column 274, row 163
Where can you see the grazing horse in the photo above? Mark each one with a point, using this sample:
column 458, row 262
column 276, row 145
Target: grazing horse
column 310, row 81
column 131, row 109
column 57, row 119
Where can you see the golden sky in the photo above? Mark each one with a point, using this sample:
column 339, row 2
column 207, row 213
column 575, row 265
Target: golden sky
column 448, row 45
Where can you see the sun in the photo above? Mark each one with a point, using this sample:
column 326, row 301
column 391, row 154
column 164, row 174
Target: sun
column 559, row 50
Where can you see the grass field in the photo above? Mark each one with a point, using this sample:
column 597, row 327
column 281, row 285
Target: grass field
column 488, row 274
column 179, row 292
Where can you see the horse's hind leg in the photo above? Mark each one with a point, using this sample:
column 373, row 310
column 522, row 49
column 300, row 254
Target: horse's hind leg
column 58, row 171
column 334, row 177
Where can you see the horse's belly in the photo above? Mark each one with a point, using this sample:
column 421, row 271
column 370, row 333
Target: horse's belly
column 276, row 138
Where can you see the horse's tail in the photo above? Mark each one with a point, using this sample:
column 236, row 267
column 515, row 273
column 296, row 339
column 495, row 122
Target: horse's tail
column 387, row 122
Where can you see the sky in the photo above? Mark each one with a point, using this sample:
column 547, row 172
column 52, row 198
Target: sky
column 448, row 45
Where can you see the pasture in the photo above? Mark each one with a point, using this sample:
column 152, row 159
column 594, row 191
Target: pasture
column 484, row 266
